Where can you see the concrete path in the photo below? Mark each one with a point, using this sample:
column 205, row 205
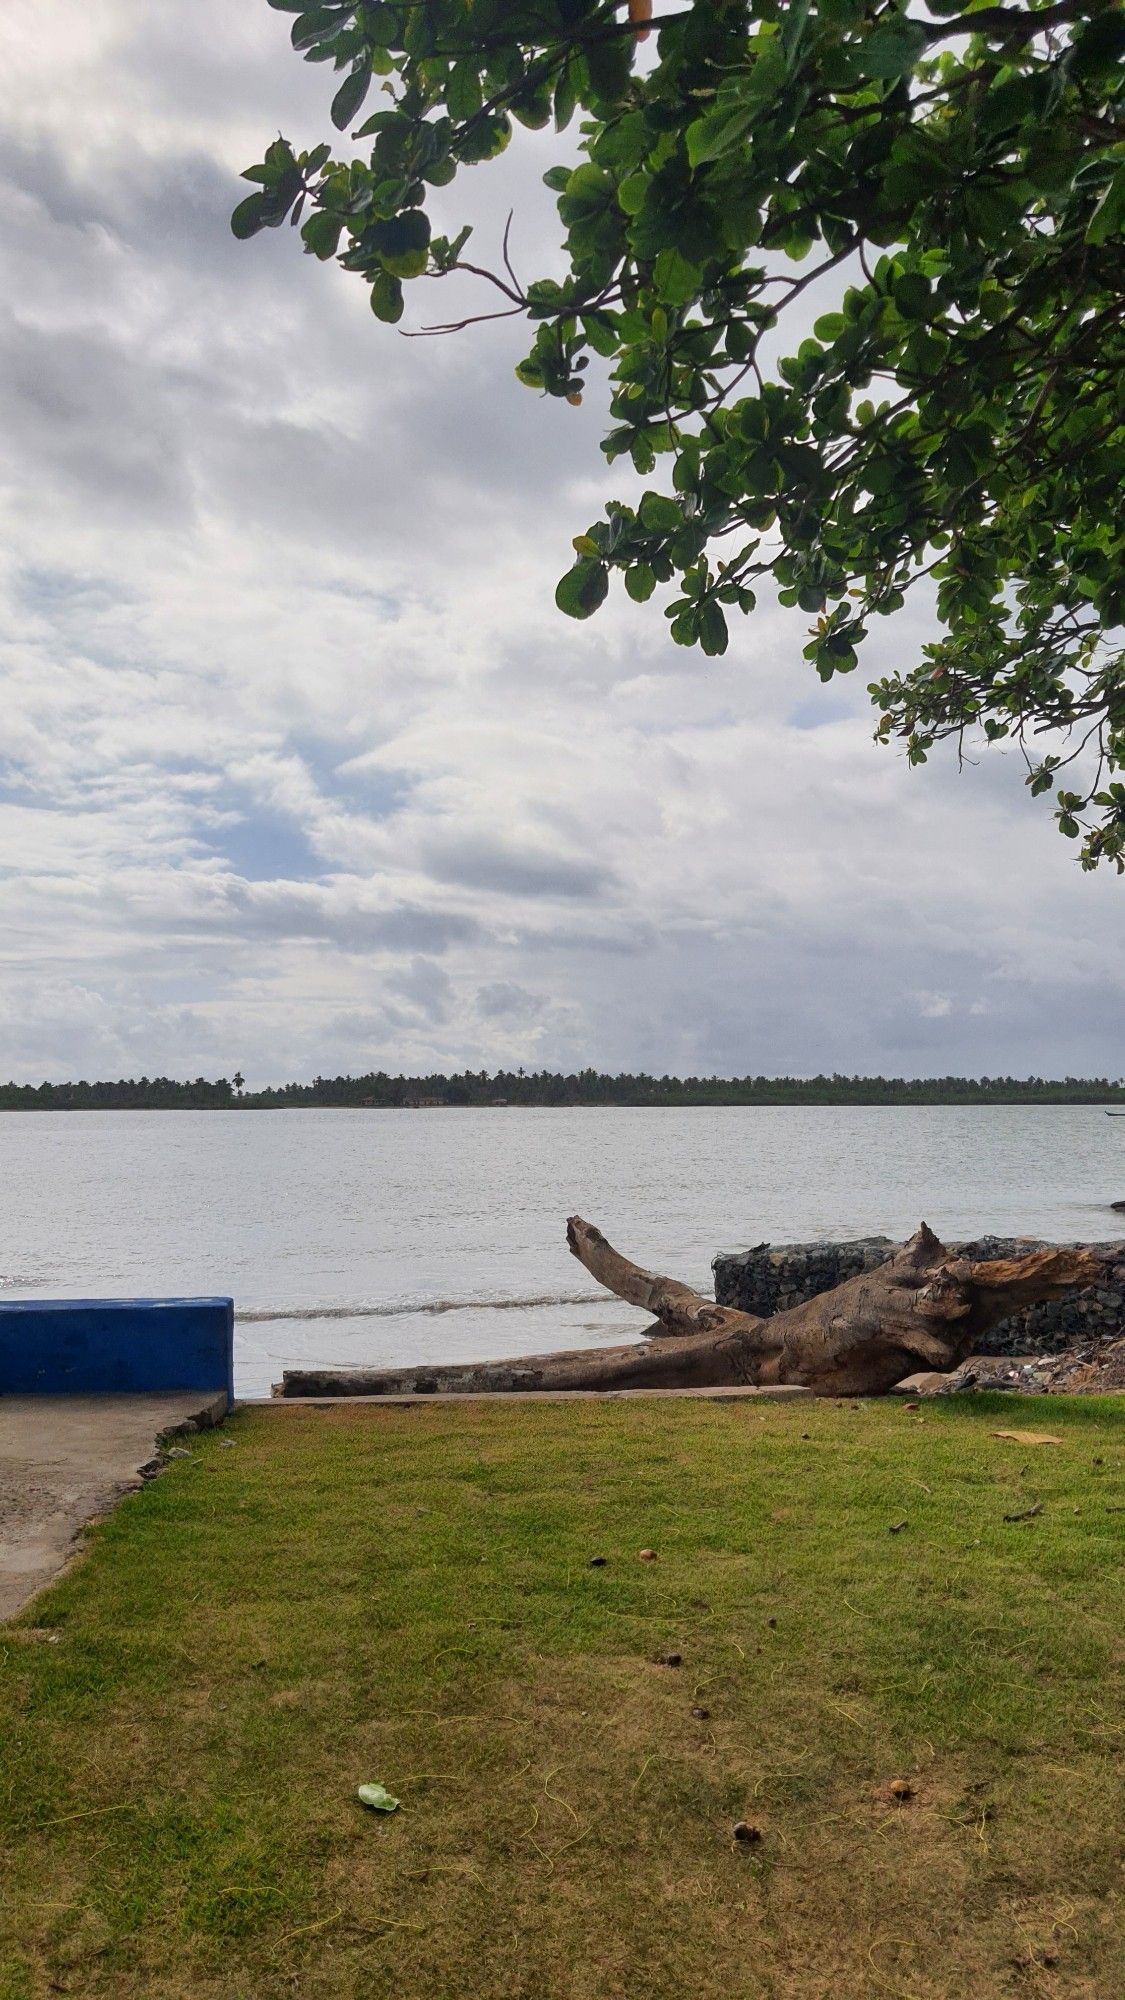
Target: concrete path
column 65, row 1459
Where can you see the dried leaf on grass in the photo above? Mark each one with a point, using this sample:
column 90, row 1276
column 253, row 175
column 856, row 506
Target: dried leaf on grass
column 1028, row 1437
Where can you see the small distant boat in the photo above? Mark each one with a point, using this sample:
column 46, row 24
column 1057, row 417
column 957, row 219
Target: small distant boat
column 1115, row 1114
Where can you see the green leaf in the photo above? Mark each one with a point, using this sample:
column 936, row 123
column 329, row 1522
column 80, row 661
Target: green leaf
column 533, row 108
column 403, row 243
column 1099, row 45
column 675, row 279
column 712, row 630
column 829, row 327
column 912, row 295
column 793, row 30
column 321, row 233
column 661, row 515
column 608, row 65
column 631, row 193
column 463, row 96
column 439, row 173
column 350, row 96
column 588, row 191
column 566, row 96
column 718, row 132
column 1108, row 218
column 641, row 453
column 582, row 589
column 640, row 582
column 315, row 25
column 601, row 333
column 892, row 49
column 249, row 217
column 386, row 298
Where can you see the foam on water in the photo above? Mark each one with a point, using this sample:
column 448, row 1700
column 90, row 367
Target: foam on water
column 266, row 1313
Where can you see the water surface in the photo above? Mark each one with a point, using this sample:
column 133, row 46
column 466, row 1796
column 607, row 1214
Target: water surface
column 398, row 1236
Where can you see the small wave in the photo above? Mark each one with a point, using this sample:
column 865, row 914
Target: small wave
column 10, row 1279
column 259, row 1317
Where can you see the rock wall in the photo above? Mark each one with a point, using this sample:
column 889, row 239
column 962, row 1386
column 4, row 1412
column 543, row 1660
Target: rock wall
column 774, row 1276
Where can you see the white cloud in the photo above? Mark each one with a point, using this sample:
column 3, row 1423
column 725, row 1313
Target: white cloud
column 301, row 770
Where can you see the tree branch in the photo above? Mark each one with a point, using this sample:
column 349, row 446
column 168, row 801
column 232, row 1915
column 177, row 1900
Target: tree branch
column 1006, row 23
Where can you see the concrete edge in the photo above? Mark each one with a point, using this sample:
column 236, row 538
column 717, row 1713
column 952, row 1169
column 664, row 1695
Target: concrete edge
column 783, row 1393
column 210, row 1413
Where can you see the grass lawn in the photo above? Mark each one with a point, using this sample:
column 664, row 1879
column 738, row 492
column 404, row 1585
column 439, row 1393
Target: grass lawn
column 406, row 1594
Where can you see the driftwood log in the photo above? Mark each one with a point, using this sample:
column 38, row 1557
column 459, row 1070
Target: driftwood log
column 923, row 1309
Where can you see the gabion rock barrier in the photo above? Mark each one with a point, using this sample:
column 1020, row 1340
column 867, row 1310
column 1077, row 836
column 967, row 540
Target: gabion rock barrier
column 774, row 1276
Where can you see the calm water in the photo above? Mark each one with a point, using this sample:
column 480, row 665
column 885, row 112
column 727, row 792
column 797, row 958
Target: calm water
column 400, row 1236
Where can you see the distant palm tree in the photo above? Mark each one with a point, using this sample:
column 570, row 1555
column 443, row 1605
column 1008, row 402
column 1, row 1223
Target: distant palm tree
column 238, row 1079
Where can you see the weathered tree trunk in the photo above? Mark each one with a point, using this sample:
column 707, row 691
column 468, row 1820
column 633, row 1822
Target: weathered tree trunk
column 922, row 1309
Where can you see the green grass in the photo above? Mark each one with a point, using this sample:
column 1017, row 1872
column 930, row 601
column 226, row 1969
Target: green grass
column 405, row 1594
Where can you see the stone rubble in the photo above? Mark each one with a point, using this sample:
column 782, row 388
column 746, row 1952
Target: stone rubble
column 772, row 1277
column 1096, row 1368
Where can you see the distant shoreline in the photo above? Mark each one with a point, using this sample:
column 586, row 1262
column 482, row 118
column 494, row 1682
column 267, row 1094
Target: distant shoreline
column 549, row 1091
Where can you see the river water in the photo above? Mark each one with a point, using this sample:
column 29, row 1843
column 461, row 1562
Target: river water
column 392, row 1237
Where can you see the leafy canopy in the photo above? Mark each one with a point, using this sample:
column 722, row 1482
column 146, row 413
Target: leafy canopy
column 958, row 415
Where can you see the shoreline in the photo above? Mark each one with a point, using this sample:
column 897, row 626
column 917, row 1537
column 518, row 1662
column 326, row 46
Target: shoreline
column 1112, row 1103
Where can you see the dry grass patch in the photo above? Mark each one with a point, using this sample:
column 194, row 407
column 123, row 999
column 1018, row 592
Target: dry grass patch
column 407, row 1594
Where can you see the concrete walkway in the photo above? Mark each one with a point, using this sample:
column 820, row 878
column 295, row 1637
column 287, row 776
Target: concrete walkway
column 65, row 1459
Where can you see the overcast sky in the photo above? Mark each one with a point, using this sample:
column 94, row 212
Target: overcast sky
column 301, row 770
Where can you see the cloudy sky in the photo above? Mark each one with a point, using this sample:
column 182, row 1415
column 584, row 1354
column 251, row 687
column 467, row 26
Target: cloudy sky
column 300, row 769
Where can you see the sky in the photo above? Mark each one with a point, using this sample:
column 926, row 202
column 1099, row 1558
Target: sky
column 301, row 771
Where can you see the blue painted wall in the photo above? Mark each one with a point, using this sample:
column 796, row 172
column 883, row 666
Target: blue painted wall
column 92, row 1346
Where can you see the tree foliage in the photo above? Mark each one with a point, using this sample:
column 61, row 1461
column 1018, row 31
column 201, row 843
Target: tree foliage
column 957, row 415
column 549, row 1088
